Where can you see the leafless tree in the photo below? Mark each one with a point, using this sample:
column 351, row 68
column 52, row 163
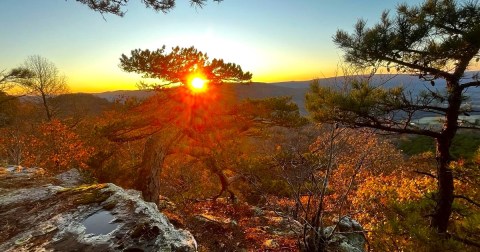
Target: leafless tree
column 45, row 82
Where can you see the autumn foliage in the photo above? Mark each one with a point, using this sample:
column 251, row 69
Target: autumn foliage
column 255, row 174
column 53, row 145
column 270, row 159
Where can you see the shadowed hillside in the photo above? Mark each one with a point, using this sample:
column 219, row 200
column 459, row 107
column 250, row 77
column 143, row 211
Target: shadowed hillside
column 81, row 104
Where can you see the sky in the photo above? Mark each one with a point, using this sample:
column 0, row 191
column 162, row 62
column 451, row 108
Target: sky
column 276, row 40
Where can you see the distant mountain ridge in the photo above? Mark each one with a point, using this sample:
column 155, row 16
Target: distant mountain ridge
column 119, row 94
column 298, row 89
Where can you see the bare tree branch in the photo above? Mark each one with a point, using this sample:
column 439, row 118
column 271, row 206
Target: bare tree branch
column 425, row 173
column 467, row 199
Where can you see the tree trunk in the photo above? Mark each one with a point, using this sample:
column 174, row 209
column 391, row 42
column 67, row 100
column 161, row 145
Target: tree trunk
column 157, row 148
column 444, row 197
column 148, row 180
column 224, row 180
column 224, row 183
column 45, row 105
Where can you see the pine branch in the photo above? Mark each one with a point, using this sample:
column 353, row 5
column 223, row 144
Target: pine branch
column 434, row 71
column 381, row 126
column 470, row 84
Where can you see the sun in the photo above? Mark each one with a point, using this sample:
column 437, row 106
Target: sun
column 198, row 84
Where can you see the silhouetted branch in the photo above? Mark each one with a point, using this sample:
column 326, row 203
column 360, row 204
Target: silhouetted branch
column 425, row 173
column 470, row 84
column 380, row 126
column 467, row 199
column 424, row 108
column 469, row 127
column 433, row 71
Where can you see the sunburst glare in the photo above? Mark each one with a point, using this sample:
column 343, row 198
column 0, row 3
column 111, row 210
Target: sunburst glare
column 198, row 84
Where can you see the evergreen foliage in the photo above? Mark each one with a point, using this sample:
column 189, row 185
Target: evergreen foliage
column 438, row 39
column 116, row 7
column 177, row 66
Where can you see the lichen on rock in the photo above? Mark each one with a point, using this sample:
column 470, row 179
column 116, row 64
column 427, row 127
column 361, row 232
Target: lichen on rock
column 38, row 212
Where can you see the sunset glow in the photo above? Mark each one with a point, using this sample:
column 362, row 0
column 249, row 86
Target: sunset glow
column 257, row 125
column 269, row 44
column 198, row 85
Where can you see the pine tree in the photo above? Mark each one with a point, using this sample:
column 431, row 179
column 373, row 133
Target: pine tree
column 437, row 40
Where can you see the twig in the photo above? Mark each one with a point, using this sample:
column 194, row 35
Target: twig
column 425, row 173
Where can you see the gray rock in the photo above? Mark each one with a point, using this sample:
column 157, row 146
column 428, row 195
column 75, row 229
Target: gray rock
column 19, row 171
column 38, row 213
column 346, row 236
column 70, row 178
column 353, row 232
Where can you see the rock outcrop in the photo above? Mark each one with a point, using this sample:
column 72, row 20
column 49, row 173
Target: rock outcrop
column 346, row 236
column 42, row 213
column 349, row 236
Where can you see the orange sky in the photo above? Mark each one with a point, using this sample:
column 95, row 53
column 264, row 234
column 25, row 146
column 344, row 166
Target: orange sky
column 274, row 40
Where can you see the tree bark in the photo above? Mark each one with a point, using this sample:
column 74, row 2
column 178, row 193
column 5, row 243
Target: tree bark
column 445, row 193
column 148, row 180
column 444, row 198
column 224, row 180
column 45, row 105
column 157, row 148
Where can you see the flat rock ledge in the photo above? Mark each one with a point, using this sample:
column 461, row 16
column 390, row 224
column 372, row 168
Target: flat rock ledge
column 42, row 213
